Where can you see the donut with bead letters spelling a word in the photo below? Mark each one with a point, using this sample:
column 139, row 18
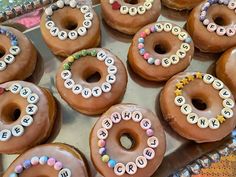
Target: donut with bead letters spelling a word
column 92, row 80
column 111, row 158
column 198, row 106
column 68, row 26
column 128, row 16
column 212, row 25
column 54, row 160
column 18, row 56
column 160, row 50
column 27, row 116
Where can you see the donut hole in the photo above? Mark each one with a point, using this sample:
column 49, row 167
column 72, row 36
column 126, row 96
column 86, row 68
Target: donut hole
column 11, row 113
column 199, row 104
column 132, row 1
column 127, row 141
column 221, row 20
column 69, row 23
column 2, row 52
column 93, row 77
column 161, row 48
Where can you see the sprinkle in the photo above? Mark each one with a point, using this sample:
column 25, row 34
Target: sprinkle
column 102, row 151
column 13, row 175
column 199, row 75
column 179, row 85
column 84, row 52
column 143, row 34
column 220, row 118
column 105, row 158
column 190, row 78
column 101, row 143
column 152, row 29
column 111, row 163
column 66, row 66
column 26, row 164
column 51, row 161
column 93, row 53
column 43, row 160
column 140, row 45
column 146, row 55
column 188, row 40
column 178, row 92
column 157, row 62
column 71, row 59
column 147, row 31
column 149, row 132
column 77, row 55
column 19, row 169
column 184, row 81
column 151, row 60
column 35, row 160
column 141, row 40
column 58, row 166
column 142, row 51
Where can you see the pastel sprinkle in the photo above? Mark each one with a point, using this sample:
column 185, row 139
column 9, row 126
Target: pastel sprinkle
column 111, row 163
column 141, row 40
column 58, row 166
column 140, row 45
column 43, row 160
column 142, row 51
column 19, row 169
column 143, row 34
column 35, row 160
column 101, row 143
column 146, row 55
column 147, row 31
column 93, row 53
column 51, row 161
column 13, row 175
column 151, row 60
column 71, row 59
column 157, row 62
column 26, row 164
column 152, row 29
column 66, row 66
column 105, row 158
column 149, row 132
column 102, row 151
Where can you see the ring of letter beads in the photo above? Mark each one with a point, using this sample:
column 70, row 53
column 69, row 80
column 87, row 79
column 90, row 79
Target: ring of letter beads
column 72, row 34
column 31, row 109
column 43, row 160
column 169, row 28
column 141, row 160
column 229, row 30
column 203, row 122
column 132, row 11
column 78, row 88
column 13, row 51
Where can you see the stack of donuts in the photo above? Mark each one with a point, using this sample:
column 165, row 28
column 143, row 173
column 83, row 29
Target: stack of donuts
column 92, row 80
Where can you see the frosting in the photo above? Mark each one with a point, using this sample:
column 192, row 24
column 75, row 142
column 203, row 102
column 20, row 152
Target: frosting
column 31, row 109
column 203, row 122
column 78, row 88
column 72, row 34
column 141, row 160
column 13, row 51
column 167, row 61
column 229, row 30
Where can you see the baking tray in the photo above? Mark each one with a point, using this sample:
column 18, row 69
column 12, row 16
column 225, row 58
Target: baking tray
column 75, row 127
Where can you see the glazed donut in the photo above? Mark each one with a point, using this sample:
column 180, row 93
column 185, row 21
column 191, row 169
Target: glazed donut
column 160, row 50
column 198, row 107
column 212, row 25
column 72, row 80
column 67, row 27
column 128, row 16
column 27, row 115
column 181, row 4
column 54, row 160
column 225, row 69
column 18, row 56
column 111, row 158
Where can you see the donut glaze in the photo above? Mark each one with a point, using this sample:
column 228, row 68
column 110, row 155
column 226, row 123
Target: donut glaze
column 209, row 41
column 25, row 61
column 170, row 42
column 43, row 120
column 66, row 154
column 82, row 69
column 61, row 18
column 181, row 4
column 196, row 89
column 225, row 69
column 115, row 149
column 126, row 23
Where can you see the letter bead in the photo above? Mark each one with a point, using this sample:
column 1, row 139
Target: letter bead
column 69, row 83
column 88, row 16
column 167, row 27
column 176, row 30
column 192, row 118
column 112, row 69
column 109, row 61
column 87, row 24
column 126, row 115
column 115, row 117
column 5, row 135
column 165, row 62
column 9, row 59
column 31, row 109
column 181, row 53
column 174, row 59
column 86, row 93
column 141, row 10
column 96, row 91
column 133, row 11
column 185, row 47
column 15, row 88
column 48, row 11
column 182, row 36
column 186, row 109
column 102, row 134
column 49, row 24
column 17, row 130
column 203, row 122
column 60, row 4
column 137, row 116
column 54, row 31
column 106, row 87
column 124, row 10
column 227, row 113
column 159, row 27
column 82, row 31
column 84, row 9
column 25, row 92
column 217, row 84
column 208, row 79
column 228, row 103
column 179, row 100
column 65, row 172
column 73, row 35
column 14, row 50
column 148, row 5
column 77, row 89
column 131, row 168
column 62, row 35
column 119, row 169
column 101, row 55
column 66, row 74
column 3, row 66
column 149, row 153
column 145, row 124
column 224, row 93
column 141, row 162
column 152, row 142
column 107, row 123
column 33, row 98
column 214, row 123
column 111, row 78
column 26, row 121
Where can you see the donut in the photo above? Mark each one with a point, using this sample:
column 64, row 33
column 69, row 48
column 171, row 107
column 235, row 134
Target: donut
column 160, row 50
column 225, row 69
column 212, row 25
column 18, row 56
column 181, row 4
column 27, row 115
column 198, row 106
column 91, row 97
column 142, row 158
column 68, row 26
column 55, row 159
column 129, row 16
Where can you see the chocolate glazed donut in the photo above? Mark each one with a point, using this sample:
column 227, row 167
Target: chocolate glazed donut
column 111, row 158
column 18, row 56
column 50, row 160
column 181, row 4
column 225, row 69
column 27, row 115
column 212, row 26
column 198, row 107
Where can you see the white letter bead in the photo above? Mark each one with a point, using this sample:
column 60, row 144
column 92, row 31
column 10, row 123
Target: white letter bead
column 62, row 35
column 82, row 31
column 73, row 3
column 133, row 11
column 214, row 123
column 145, row 124
column 208, row 79
column 26, row 120
column 33, row 98
column 124, row 10
column 65, row 172
column 137, row 116
column 159, row 27
column 185, row 47
column 73, row 35
column 167, row 27
column 119, row 169
column 149, row 153
column 203, row 122
column 106, row 87
column 217, row 84
column 131, row 168
column 107, row 123
column 109, row 61
column 14, row 50
column 88, row 16
column 141, row 10
column 86, row 93
column 165, row 62
column 3, row 66
column 230, row 31
column 111, row 78
column 126, row 115
column 141, row 162
column 69, row 83
column 54, row 31
column 87, row 24
column 179, row 100
column 31, row 109
column 25, row 92
column 60, row 4
column 9, row 58
column 232, row 5
column 186, row 109
column 17, row 130
column 84, row 9
column 174, row 59
column 181, row 53
column 152, row 142
column 77, row 89
column 148, row 5
column 102, row 134
column 182, row 36
column 224, row 93
column 112, row 69
column 101, row 55
column 66, row 74
column 176, row 30
column 48, row 11
column 228, row 103
column 115, row 117
column 96, row 91
column 5, row 135
column 211, row 27
column 67, row 2
column 227, row 113
column 192, row 118
column 15, row 88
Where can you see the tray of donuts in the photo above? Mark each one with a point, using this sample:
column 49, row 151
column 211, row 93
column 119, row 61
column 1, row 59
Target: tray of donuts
column 124, row 88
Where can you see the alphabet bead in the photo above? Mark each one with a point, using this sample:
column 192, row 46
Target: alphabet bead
column 15, row 88
column 203, row 122
column 77, row 89
column 65, row 172
column 149, row 153
column 228, row 103
column 145, row 124
column 31, row 109
column 141, row 162
column 33, row 98
column 179, row 100
column 152, row 142
column 192, row 118
column 17, row 130
column 102, row 133
column 3, row 66
column 227, row 113
column 96, row 91
column 131, row 168
column 119, row 169
column 25, row 92
column 208, row 79
column 107, row 123
column 137, row 116
column 26, row 121
column 86, row 93
column 214, row 123
column 186, row 109
column 5, row 135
